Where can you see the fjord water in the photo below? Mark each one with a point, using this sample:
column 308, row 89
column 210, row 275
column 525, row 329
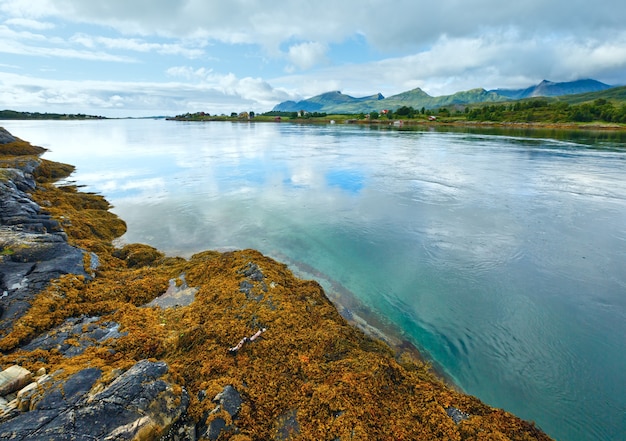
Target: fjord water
column 501, row 257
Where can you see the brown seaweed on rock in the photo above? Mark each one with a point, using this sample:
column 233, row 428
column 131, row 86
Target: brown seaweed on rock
column 309, row 376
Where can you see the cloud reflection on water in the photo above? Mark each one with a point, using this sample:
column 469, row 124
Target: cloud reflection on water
column 503, row 259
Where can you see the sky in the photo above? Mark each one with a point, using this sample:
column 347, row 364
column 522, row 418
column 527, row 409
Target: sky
column 120, row 58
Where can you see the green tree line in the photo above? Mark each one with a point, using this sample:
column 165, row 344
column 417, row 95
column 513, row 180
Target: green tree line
column 12, row 114
column 544, row 111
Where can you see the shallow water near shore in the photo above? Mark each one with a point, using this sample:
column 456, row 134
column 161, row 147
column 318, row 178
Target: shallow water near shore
column 500, row 255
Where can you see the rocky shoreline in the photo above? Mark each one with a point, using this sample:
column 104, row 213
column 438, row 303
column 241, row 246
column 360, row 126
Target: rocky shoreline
column 99, row 342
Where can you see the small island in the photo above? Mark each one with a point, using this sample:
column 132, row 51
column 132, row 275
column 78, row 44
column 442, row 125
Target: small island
column 101, row 342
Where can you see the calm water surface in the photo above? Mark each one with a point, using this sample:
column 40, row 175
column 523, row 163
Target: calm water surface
column 503, row 258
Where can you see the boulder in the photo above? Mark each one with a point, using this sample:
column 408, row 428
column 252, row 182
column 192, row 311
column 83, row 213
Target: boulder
column 13, row 379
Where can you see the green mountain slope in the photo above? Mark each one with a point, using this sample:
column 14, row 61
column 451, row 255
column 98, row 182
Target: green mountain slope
column 616, row 95
column 336, row 102
column 326, row 101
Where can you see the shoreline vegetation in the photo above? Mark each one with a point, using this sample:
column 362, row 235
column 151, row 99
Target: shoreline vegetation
column 535, row 113
column 600, row 114
column 415, row 123
column 300, row 371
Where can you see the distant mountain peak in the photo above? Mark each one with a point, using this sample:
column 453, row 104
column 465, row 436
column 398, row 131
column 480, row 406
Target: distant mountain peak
column 550, row 88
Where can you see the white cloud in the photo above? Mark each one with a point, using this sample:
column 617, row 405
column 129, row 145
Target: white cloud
column 415, row 22
column 14, row 47
column 188, row 72
column 307, row 55
column 137, row 45
column 209, row 92
column 492, row 60
column 29, row 23
column 34, row 44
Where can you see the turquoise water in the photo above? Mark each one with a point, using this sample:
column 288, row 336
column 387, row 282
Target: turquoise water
column 501, row 255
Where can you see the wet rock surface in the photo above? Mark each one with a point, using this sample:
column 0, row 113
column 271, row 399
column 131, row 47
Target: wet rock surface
column 33, row 246
column 75, row 335
column 139, row 403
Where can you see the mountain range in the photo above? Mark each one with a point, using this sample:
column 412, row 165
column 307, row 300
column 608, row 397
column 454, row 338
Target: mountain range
column 337, row 102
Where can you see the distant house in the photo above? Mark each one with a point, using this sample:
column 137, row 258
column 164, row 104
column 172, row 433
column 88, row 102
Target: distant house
column 277, row 119
column 432, row 118
column 384, row 112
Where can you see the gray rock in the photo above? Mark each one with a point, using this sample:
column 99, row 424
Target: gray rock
column 288, row 426
column 5, row 136
column 64, row 394
column 253, row 286
column 216, row 427
column 84, row 332
column 33, row 247
column 252, row 272
column 228, row 400
column 140, row 400
column 457, row 415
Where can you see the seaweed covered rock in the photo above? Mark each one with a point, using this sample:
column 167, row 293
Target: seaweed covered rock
column 139, row 404
column 75, row 335
column 138, row 255
column 33, row 247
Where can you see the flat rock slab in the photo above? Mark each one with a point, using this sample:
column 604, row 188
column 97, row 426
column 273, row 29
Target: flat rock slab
column 175, row 295
column 141, row 402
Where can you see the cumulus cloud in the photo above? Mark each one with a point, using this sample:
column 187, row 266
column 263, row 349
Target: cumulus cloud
column 307, row 55
column 209, row 92
column 414, row 21
column 261, row 53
